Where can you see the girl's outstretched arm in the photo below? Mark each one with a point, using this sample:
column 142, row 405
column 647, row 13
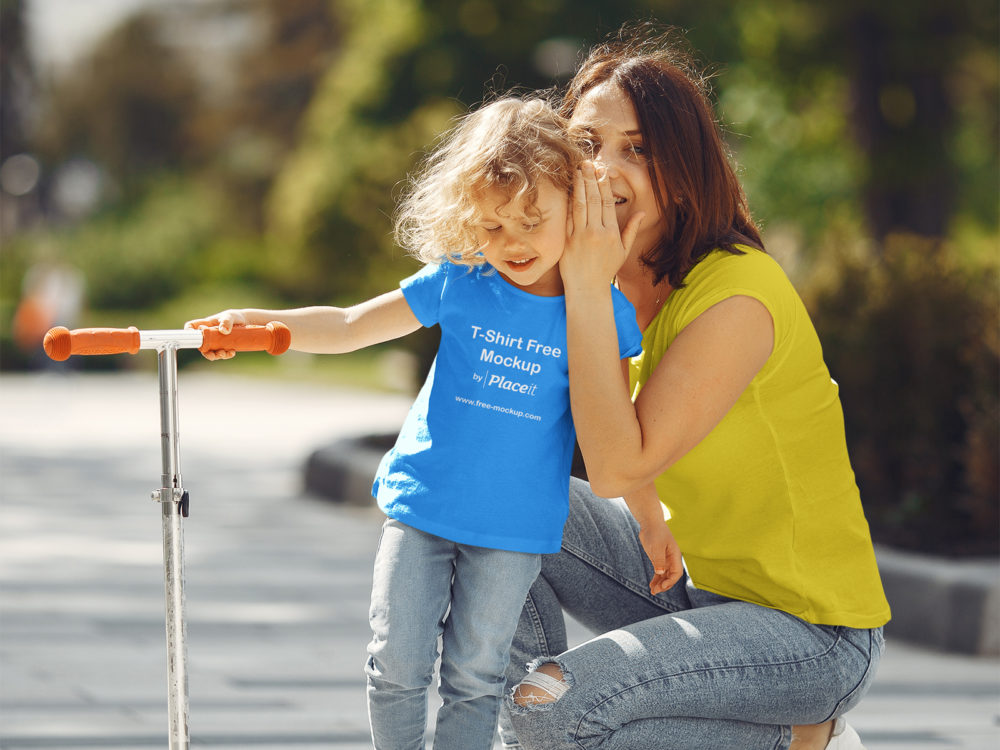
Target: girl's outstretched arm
column 325, row 330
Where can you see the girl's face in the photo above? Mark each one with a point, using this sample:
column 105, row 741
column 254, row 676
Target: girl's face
column 607, row 114
column 524, row 242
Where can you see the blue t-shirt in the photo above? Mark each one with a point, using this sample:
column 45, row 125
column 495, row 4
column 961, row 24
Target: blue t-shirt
column 484, row 455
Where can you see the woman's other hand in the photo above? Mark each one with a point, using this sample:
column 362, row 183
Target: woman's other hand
column 655, row 537
column 662, row 550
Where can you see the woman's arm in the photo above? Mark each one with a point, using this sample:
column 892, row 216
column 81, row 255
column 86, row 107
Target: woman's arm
column 326, row 330
column 699, row 378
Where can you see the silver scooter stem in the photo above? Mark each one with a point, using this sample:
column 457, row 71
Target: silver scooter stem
column 173, row 501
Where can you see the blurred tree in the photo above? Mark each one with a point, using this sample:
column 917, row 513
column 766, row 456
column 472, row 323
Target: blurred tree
column 279, row 75
column 331, row 195
column 886, row 111
column 20, row 172
column 16, row 79
column 127, row 107
column 248, row 138
column 912, row 69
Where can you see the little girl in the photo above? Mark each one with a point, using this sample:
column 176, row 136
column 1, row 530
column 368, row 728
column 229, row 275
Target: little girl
column 476, row 487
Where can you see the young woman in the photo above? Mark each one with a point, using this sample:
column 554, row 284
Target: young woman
column 773, row 629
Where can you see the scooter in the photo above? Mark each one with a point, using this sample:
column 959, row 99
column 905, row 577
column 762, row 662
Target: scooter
column 61, row 343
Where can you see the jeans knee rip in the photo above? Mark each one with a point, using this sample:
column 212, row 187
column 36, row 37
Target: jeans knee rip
column 545, row 689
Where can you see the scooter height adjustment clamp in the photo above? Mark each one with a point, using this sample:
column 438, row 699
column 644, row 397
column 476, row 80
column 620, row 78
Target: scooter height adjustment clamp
column 182, row 498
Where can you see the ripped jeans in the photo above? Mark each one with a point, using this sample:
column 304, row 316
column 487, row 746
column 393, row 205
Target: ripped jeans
column 683, row 670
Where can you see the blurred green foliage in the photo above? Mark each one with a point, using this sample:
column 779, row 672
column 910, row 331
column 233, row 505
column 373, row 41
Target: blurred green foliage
column 866, row 135
column 134, row 118
column 914, row 344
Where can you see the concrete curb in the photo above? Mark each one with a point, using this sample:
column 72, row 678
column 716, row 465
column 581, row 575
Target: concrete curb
column 952, row 605
column 343, row 470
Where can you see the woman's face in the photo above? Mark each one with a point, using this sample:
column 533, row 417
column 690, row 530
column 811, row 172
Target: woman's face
column 608, row 115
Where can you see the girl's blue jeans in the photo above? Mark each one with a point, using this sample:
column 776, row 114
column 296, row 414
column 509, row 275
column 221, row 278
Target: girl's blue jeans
column 683, row 670
column 426, row 587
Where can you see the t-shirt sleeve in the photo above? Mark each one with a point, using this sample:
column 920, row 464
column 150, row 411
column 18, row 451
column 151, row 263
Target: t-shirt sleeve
column 423, row 291
column 629, row 335
column 753, row 274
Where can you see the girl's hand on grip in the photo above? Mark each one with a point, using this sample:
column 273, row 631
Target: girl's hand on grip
column 225, row 321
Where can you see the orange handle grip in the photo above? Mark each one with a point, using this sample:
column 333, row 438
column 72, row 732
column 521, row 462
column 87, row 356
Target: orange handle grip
column 274, row 338
column 60, row 342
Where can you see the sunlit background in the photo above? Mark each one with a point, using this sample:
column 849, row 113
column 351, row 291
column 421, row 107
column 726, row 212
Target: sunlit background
column 162, row 160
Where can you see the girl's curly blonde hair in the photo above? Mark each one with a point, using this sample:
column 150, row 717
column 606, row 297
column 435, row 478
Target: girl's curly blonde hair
column 510, row 144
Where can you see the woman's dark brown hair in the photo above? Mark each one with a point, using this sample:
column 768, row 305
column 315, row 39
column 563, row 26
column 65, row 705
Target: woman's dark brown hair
column 702, row 202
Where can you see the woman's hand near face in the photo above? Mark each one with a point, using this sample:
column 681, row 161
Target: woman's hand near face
column 595, row 247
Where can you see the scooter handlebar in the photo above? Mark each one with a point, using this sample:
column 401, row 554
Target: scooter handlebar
column 61, row 343
column 273, row 338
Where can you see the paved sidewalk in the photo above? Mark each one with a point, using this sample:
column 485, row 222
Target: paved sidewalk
column 277, row 582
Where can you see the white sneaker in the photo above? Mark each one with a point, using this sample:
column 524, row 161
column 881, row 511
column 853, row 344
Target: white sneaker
column 844, row 737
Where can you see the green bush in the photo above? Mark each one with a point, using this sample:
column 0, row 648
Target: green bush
column 912, row 339
column 148, row 252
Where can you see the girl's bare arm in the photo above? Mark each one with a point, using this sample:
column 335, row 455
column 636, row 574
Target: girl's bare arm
column 326, row 330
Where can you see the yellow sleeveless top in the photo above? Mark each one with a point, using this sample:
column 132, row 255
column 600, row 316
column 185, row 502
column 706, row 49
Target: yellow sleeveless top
column 765, row 508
